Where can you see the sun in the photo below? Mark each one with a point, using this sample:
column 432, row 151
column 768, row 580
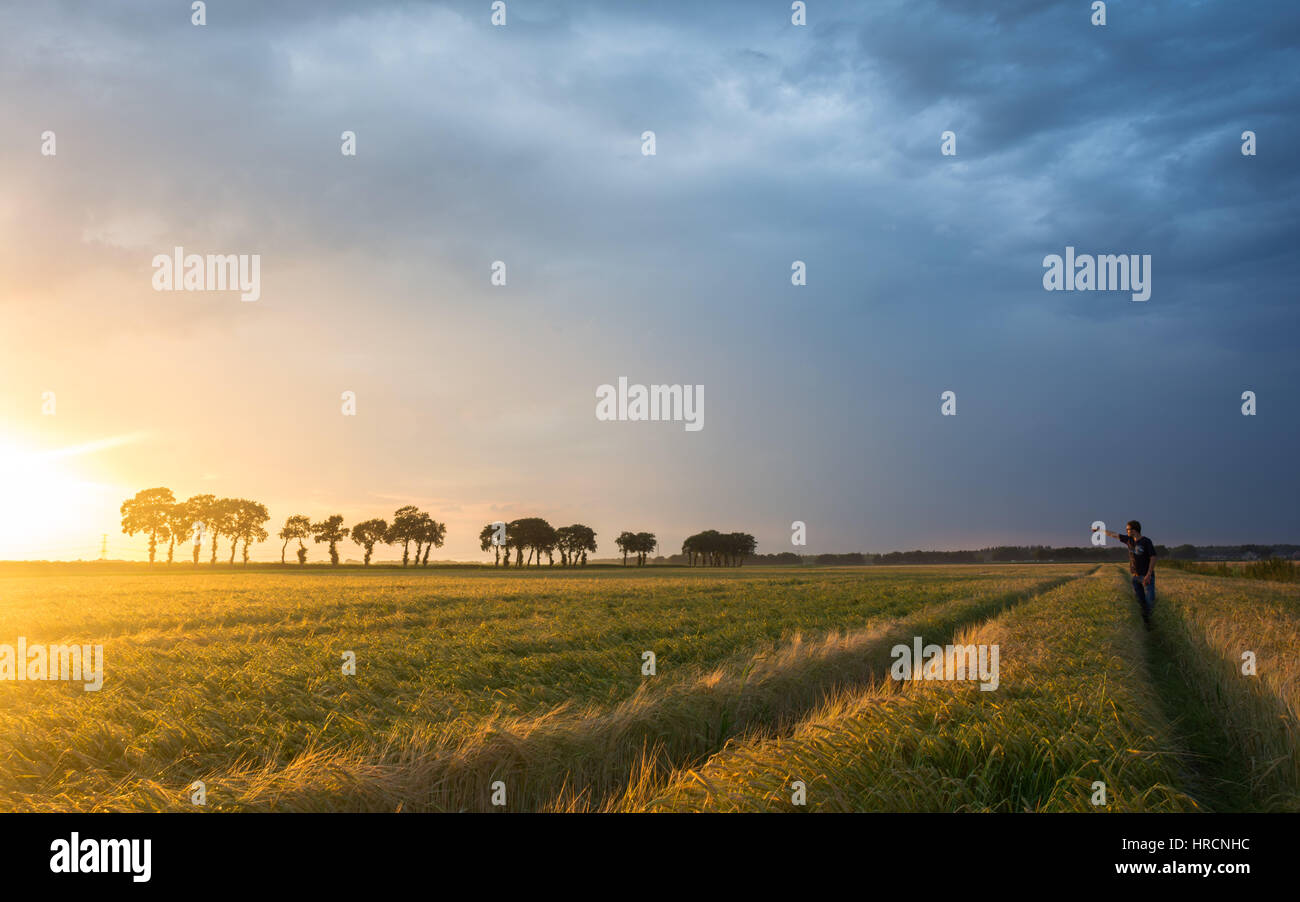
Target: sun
column 50, row 510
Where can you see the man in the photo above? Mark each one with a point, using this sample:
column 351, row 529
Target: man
column 1142, row 565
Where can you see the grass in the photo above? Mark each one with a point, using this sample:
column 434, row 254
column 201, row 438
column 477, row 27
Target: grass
column 226, row 676
column 1273, row 569
column 765, row 676
column 579, row 759
column 1074, row 707
column 1248, row 725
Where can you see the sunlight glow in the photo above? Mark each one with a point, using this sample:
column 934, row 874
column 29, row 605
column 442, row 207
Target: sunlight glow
column 49, row 507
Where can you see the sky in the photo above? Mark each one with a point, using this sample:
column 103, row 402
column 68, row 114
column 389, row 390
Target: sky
column 774, row 143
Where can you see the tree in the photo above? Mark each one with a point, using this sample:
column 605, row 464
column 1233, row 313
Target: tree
column 562, row 544
column 228, row 511
column 149, row 512
column 249, row 517
column 222, row 521
column 711, row 543
column 740, row 545
column 584, row 540
column 417, row 535
column 487, row 541
column 546, row 541
column 532, row 533
column 178, row 526
column 331, row 530
column 425, row 531
column 714, row 549
column 626, row 543
column 368, row 533
column 516, row 541
column 573, row 543
column 644, row 543
column 198, row 510
column 432, row 533
column 404, row 529
column 295, row 527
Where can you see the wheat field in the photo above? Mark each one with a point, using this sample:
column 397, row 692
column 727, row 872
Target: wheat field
column 476, row 689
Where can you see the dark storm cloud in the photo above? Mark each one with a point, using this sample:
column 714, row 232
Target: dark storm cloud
column 775, row 143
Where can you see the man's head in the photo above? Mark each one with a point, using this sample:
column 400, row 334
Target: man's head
column 1134, row 528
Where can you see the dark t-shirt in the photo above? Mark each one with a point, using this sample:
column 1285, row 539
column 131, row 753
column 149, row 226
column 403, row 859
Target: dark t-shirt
column 1140, row 554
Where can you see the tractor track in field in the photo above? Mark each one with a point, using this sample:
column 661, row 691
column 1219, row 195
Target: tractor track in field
column 1218, row 766
column 1207, row 751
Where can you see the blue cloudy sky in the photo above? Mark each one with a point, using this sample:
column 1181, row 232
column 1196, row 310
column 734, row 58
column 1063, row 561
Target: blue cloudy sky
column 775, row 143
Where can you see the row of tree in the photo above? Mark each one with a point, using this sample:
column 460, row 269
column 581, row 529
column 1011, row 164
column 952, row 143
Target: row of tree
column 537, row 537
column 639, row 543
column 410, row 524
column 157, row 514
column 1021, row 553
column 573, row 543
column 719, row 549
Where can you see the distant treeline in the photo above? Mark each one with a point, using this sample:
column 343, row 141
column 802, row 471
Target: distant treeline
column 537, row 537
column 718, row 549
column 157, row 514
column 206, row 518
column 573, row 543
column 1010, row 553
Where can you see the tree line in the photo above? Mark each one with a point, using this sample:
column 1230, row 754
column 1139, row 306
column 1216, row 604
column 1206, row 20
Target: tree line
column 537, row 537
column 206, row 518
column 572, row 543
column 641, row 544
column 1021, row 553
column 718, row 549
column 157, row 514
